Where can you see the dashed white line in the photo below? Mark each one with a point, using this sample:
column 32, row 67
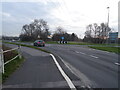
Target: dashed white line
column 117, row 64
column 71, row 85
column 76, row 51
column 86, row 54
column 88, row 86
column 77, row 73
column 93, row 56
column 82, row 53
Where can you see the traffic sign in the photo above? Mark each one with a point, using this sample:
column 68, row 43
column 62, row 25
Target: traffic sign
column 62, row 38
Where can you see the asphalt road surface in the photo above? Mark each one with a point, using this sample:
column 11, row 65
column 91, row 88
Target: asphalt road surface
column 85, row 67
column 94, row 68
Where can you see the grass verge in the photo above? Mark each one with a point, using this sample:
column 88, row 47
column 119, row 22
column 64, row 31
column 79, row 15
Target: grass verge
column 11, row 67
column 29, row 46
column 109, row 49
column 82, row 43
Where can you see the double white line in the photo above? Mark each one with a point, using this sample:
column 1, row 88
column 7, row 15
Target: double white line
column 71, row 85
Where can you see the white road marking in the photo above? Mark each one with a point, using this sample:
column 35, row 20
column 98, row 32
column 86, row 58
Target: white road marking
column 88, row 86
column 93, row 56
column 82, row 53
column 76, row 51
column 71, row 85
column 85, row 81
column 117, row 64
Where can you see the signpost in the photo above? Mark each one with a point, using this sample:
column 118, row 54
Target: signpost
column 62, row 38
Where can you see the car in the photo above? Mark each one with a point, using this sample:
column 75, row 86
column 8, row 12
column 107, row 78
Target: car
column 39, row 43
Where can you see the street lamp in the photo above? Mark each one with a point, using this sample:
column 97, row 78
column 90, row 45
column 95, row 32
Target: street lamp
column 108, row 16
column 107, row 25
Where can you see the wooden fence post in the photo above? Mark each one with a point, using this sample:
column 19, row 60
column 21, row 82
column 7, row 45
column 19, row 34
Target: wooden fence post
column 2, row 59
column 19, row 51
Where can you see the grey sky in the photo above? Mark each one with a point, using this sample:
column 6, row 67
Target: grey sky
column 73, row 15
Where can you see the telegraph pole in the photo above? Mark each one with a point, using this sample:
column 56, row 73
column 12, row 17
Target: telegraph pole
column 108, row 17
column 108, row 23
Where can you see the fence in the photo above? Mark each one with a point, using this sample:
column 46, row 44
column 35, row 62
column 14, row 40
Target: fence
column 3, row 63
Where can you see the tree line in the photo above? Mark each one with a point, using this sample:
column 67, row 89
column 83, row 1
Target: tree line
column 97, row 33
column 35, row 30
column 39, row 29
column 60, row 32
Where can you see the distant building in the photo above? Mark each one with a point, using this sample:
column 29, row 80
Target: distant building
column 113, row 37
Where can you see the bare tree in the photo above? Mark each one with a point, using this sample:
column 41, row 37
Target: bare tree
column 37, row 29
column 96, row 33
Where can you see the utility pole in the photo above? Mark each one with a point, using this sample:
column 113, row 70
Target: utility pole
column 107, row 25
column 108, row 17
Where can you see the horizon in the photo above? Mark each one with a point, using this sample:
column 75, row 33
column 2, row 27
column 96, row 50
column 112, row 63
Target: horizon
column 72, row 15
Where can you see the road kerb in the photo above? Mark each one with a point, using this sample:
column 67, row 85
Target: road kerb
column 71, row 85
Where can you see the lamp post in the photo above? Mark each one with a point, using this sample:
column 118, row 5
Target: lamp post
column 108, row 25
column 108, row 16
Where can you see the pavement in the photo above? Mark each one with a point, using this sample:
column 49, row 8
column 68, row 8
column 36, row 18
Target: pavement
column 84, row 66
column 38, row 71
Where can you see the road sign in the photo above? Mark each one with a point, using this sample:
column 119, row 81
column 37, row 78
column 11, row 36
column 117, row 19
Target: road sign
column 62, row 38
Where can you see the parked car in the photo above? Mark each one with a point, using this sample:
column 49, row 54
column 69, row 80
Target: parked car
column 39, row 43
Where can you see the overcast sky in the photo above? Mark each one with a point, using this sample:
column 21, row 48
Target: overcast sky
column 72, row 15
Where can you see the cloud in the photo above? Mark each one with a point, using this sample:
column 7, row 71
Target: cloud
column 4, row 14
column 73, row 15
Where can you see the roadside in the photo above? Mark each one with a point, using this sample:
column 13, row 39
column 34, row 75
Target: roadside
column 109, row 49
column 104, row 47
column 38, row 71
column 61, row 48
column 11, row 66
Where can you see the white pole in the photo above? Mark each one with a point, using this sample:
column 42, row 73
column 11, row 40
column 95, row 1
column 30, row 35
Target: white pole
column 108, row 24
column 19, row 51
column 108, row 16
column 2, row 59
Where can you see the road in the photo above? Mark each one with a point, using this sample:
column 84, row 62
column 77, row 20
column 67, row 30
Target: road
column 84, row 66
column 94, row 67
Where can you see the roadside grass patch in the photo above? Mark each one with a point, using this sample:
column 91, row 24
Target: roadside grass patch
column 8, row 55
column 52, row 42
column 76, row 43
column 109, row 49
column 11, row 67
column 29, row 46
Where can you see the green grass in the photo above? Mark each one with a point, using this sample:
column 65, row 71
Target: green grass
column 0, row 78
column 82, row 43
column 109, row 49
column 29, row 46
column 11, row 67
column 85, row 43
column 76, row 43
column 51, row 42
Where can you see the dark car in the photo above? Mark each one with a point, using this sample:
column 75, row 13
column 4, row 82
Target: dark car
column 39, row 43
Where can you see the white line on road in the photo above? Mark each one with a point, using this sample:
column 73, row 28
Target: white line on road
column 93, row 56
column 117, row 64
column 76, row 72
column 71, row 85
column 76, row 51
column 85, row 54
column 82, row 53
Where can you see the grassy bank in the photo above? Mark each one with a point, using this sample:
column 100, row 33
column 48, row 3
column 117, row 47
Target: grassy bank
column 109, row 49
column 29, row 46
column 75, row 43
column 11, row 66
column 82, row 43
column 8, row 55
